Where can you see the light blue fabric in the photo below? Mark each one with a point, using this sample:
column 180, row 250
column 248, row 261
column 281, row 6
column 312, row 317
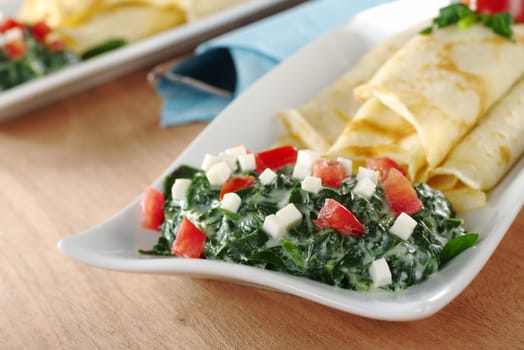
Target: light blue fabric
column 236, row 59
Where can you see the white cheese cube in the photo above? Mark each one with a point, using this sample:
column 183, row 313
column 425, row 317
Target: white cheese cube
column 300, row 172
column 365, row 187
column 365, row 172
column 218, row 173
column 179, row 188
column 348, row 165
column 267, row 176
column 2, row 39
column 231, row 201
column 236, row 151
column 289, row 216
column 13, row 34
column 247, row 162
column 304, row 164
column 380, row 273
column 229, row 159
column 311, row 184
column 273, row 227
column 307, row 158
column 403, row 226
column 209, row 161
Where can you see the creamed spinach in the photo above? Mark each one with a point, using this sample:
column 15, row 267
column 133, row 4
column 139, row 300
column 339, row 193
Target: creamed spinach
column 306, row 250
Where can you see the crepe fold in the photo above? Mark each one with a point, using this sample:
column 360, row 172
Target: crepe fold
column 482, row 158
column 377, row 131
column 318, row 122
column 443, row 83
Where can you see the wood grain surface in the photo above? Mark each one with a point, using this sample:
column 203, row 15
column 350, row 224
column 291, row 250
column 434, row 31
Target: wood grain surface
column 75, row 163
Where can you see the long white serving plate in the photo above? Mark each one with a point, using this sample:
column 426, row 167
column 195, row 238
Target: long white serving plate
column 73, row 79
column 251, row 120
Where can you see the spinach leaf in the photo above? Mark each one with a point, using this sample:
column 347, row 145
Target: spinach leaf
column 464, row 17
column 106, row 46
column 457, row 245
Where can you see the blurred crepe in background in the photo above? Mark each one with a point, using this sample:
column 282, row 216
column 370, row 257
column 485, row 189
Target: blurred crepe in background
column 83, row 24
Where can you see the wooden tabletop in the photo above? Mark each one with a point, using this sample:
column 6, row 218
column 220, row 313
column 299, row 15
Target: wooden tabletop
column 73, row 164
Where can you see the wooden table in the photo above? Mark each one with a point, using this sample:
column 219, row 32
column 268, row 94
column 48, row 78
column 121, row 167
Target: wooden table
column 75, row 163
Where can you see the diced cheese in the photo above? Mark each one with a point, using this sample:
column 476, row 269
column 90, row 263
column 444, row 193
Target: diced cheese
column 307, row 158
column 380, row 273
column 13, row 34
column 304, row 164
column 348, row 165
column 403, row 226
column 231, row 201
column 247, row 162
column 273, row 227
column 365, row 172
column 300, row 171
column 179, row 188
column 311, row 184
column 365, row 187
column 289, row 216
column 209, row 161
column 218, row 173
column 236, row 151
column 229, row 159
column 267, row 176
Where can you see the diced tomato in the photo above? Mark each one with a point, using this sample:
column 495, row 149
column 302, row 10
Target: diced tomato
column 515, row 7
column 400, row 194
column 276, row 158
column 10, row 23
column 56, row 45
column 40, row 31
column 189, row 241
column 15, row 49
column 236, row 183
column 383, row 165
column 335, row 215
column 152, row 209
column 331, row 172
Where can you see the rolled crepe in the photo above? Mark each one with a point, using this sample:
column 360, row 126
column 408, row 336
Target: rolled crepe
column 444, row 82
column 86, row 23
column 131, row 21
column 377, row 131
column 318, row 123
column 485, row 155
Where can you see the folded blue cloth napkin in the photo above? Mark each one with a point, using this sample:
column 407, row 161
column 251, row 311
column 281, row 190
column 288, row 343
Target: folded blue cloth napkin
column 198, row 88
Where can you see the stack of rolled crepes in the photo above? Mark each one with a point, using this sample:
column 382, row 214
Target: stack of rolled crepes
column 83, row 24
column 449, row 107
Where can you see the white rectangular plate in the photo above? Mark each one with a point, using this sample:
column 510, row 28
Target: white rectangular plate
column 250, row 120
column 165, row 45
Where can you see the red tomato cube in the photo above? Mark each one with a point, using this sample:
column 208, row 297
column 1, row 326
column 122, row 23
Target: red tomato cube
column 236, row 183
column 276, row 158
column 15, row 49
column 335, row 215
column 331, row 172
column 40, row 31
column 189, row 241
column 400, row 194
column 383, row 165
column 152, row 209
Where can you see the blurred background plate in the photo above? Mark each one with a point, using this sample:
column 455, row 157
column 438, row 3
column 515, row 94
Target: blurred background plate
column 28, row 96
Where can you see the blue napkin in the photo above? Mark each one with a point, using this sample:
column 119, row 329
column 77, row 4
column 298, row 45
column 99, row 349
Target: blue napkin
column 198, row 88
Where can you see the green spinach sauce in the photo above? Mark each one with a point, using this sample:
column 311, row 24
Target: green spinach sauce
column 308, row 251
